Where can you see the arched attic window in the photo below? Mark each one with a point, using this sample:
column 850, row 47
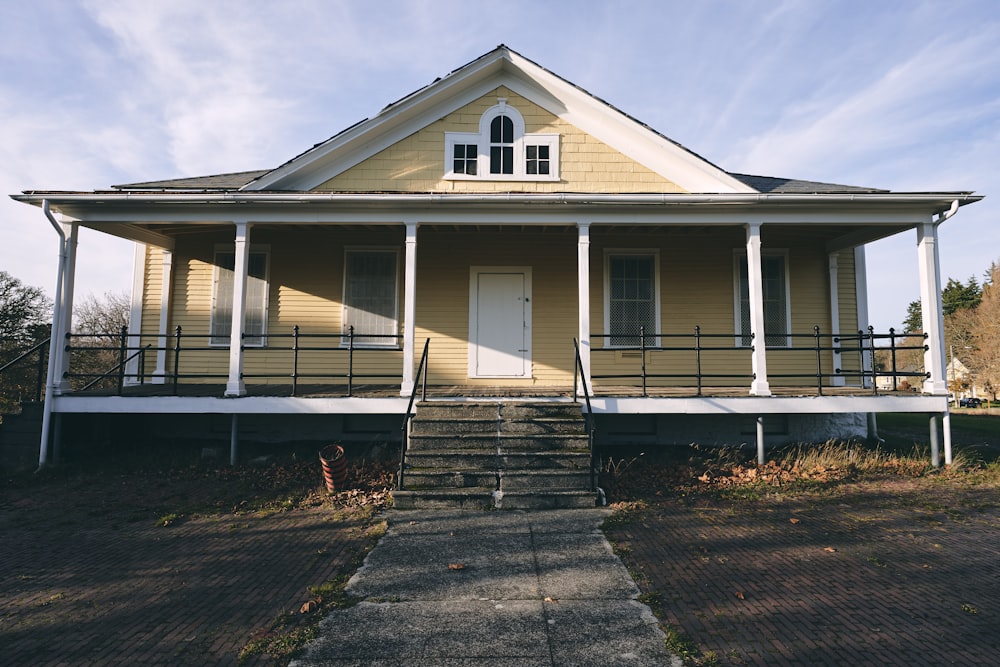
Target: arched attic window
column 501, row 150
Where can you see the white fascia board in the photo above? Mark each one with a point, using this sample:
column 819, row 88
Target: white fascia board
column 247, row 405
column 770, row 405
column 624, row 134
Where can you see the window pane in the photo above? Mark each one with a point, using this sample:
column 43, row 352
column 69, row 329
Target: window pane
column 632, row 301
column 495, row 161
column 255, row 306
column 370, row 296
column 496, row 130
column 532, row 152
column 508, row 159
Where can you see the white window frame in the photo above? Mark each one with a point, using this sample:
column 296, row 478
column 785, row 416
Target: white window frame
column 216, row 338
column 393, row 343
column 740, row 263
column 482, row 142
column 630, row 252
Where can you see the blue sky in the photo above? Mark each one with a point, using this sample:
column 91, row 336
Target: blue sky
column 898, row 95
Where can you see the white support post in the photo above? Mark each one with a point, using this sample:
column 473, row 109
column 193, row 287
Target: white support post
column 66, row 322
column 409, row 308
column 234, row 439
column 167, row 278
column 760, row 441
column 931, row 310
column 935, row 447
column 241, row 265
column 135, row 311
column 759, row 386
column 861, row 292
column 946, row 427
column 583, row 296
column 834, row 267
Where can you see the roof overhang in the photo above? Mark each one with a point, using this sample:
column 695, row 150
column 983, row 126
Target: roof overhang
column 137, row 216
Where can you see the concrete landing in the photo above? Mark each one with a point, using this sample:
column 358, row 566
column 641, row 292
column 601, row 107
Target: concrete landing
column 453, row 588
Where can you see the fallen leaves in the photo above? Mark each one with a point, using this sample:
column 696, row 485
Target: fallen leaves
column 309, row 607
column 830, row 550
column 456, row 566
column 794, row 521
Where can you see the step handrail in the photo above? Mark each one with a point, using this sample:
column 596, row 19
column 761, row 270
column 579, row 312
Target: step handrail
column 419, row 380
column 578, row 369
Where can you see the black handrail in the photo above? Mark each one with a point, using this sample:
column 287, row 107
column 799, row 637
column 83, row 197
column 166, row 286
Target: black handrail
column 421, row 373
column 40, row 375
column 591, row 427
column 119, row 368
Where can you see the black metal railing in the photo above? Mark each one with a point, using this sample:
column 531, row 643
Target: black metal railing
column 15, row 385
column 821, row 356
column 701, row 344
column 96, row 358
column 580, row 382
column 347, row 344
column 419, row 381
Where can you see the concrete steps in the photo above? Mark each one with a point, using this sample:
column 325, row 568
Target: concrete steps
column 497, row 454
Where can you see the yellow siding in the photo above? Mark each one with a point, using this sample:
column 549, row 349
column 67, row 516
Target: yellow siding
column 416, row 163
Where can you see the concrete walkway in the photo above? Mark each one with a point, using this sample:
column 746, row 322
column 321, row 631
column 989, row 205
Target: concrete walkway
column 450, row 588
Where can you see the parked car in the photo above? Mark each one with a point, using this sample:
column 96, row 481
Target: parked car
column 970, row 402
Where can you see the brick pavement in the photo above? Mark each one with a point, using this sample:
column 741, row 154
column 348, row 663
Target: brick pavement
column 881, row 575
column 91, row 585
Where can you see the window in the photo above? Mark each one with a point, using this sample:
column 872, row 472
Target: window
column 255, row 313
column 501, row 150
column 465, row 157
column 774, row 280
column 370, row 296
column 631, row 298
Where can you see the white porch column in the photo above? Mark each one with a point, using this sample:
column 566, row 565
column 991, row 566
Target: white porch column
column 167, row 279
column 583, row 296
column 241, row 265
column 834, row 267
column 930, row 306
column 66, row 321
column 135, row 311
column 409, row 308
column 759, row 386
column 861, row 291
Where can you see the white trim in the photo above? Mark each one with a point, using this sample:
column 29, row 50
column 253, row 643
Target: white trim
column 930, row 305
column 409, row 307
column 521, row 141
column 241, row 261
column 135, row 311
column 861, row 293
column 583, row 296
column 345, row 307
column 759, row 386
column 631, row 252
column 473, row 343
column 166, row 286
column 69, row 287
column 833, row 265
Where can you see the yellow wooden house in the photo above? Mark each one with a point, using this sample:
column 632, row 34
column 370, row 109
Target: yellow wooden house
column 537, row 242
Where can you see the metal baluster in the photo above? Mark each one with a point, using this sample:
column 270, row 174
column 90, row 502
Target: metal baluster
column 819, row 362
column 177, row 356
column 642, row 351
column 697, row 355
column 350, row 359
column 295, row 359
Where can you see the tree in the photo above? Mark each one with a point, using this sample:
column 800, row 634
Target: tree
column 955, row 297
column 984, row 357
column 25, row 312
column 97, row 326
column 914, row 321
column 24, row 321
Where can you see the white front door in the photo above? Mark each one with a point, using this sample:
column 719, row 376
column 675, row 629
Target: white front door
column 500, row 322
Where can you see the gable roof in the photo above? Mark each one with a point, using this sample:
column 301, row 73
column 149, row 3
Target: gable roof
column 500, row 67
